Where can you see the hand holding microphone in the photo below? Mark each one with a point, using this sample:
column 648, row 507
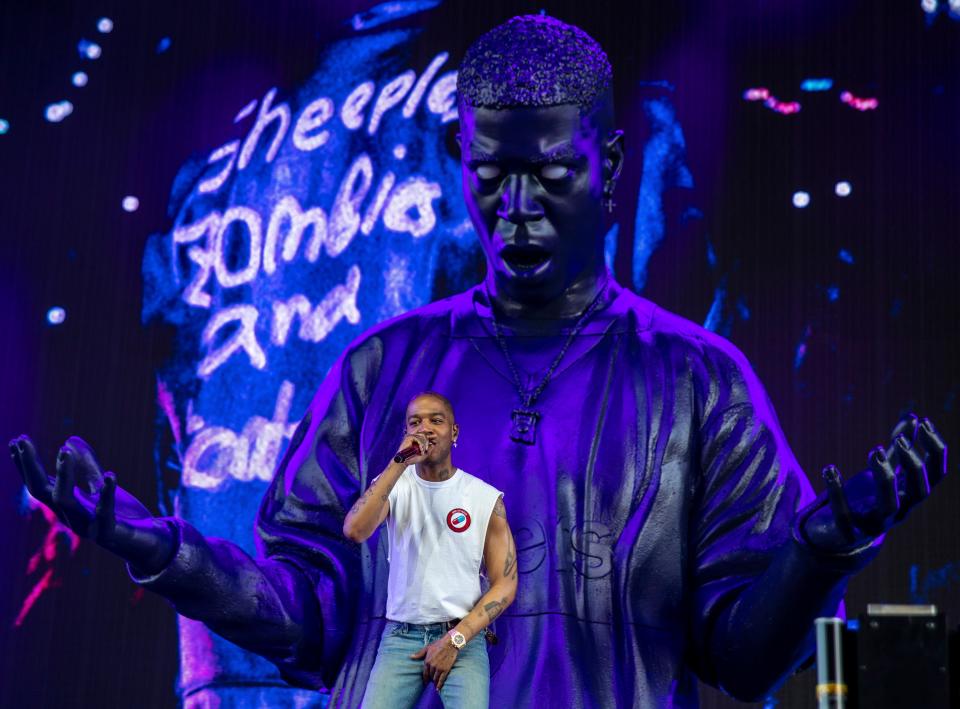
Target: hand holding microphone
column 414, row 449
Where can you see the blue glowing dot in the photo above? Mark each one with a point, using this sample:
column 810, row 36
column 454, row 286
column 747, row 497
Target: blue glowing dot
column 56, row 112
column 853, row 625
column 843, row 188
column 4, row 126
column 56, row 315
column 800, row 355
column 105, row 25
column 130, row 203
column 833, row 294
column 929, row 6
column 79, row 78
column 845, row 256
column 801, row 199
column 88, row 49
column 822, row 84
column 399, row 151
column 163, row 45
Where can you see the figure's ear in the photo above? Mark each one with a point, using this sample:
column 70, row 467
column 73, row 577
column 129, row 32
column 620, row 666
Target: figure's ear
column 613, row 156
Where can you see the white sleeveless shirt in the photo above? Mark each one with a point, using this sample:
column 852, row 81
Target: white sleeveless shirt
column 436, row 533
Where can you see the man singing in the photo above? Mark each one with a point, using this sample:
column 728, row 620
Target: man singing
column 665, row 531
column 441, row 522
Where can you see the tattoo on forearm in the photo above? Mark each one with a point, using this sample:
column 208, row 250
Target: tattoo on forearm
column 361, row 501
column 493, row 609
column 510, row 562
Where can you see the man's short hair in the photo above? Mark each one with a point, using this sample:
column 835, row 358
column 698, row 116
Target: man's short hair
column 439, row 397
column 534, row 61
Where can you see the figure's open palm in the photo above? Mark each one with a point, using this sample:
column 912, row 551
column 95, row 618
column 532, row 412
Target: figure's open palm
column 89, row 502
column 855, row 511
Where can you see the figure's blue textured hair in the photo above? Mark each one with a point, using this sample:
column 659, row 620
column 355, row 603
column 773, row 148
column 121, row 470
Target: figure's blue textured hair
column 534, row 60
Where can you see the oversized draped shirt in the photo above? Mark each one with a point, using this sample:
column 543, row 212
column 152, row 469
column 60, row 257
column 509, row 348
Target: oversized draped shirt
column 659, row 486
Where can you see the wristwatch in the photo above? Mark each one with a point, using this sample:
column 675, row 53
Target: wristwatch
column 457, row 639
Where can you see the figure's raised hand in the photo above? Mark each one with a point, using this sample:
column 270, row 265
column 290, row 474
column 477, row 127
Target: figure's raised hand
column 851, row 514
column 89, row 502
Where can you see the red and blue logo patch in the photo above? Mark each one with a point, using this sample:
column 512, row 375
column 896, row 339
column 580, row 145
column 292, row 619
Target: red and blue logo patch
column 458, row 520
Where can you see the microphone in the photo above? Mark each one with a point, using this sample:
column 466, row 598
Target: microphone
column 407, row 453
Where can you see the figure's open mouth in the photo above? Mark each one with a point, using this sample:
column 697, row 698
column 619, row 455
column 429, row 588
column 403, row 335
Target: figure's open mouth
column 524, row 259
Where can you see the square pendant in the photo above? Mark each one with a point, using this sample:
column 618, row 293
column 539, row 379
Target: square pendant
column 524, row 426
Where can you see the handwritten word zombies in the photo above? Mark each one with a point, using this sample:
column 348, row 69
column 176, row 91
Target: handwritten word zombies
column 406, row 207
column 216, row 453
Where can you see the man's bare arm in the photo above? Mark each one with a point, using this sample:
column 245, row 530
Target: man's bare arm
column 500, row 558
column 373, row 506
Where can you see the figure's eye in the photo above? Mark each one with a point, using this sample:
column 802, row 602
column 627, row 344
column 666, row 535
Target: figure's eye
column 553, row 171
column 488, row 171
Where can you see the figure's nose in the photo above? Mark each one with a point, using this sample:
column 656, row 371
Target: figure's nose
column 518, row 203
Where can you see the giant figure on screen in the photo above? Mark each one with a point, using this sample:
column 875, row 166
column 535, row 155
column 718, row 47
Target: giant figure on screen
column 665, row 531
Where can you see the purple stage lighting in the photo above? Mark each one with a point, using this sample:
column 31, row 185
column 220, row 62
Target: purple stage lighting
column 104, row 25
column 857, row 103
column 79, row 78
column 758, row 93
column 130, row 203
column 801, row 199
column 784, row 108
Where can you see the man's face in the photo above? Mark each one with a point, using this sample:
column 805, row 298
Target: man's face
column 533, row 183
column 432, row 418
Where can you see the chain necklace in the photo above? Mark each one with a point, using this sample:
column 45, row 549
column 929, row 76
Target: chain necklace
column 525, row 418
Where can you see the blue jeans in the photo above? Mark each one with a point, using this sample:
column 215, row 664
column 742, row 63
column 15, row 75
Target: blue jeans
column 396, row 681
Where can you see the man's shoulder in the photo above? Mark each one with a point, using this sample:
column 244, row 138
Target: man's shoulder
column 472, row 482
column 666, row 330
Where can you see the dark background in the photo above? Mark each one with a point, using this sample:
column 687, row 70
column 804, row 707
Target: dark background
column 887, row 344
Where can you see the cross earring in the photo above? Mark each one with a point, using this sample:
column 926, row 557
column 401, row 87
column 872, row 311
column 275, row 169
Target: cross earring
column 607, row 201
